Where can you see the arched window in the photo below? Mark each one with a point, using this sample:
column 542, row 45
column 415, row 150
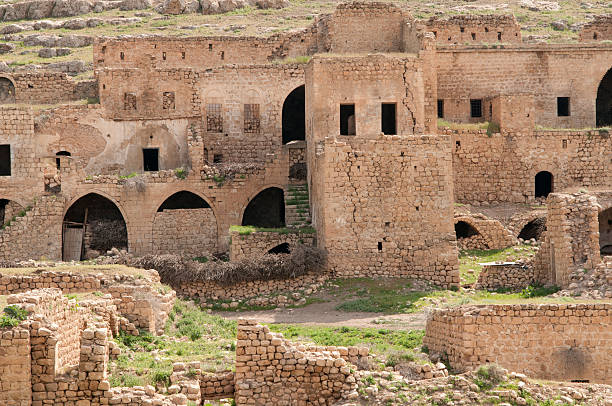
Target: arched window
column 543, row 184
column 58, row 161
column 267, row 209
column 183, row 200
column 604, row 101
column 294, row 116
column 7, row 91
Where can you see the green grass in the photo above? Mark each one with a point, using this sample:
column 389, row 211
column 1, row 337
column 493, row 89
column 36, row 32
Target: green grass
column 247, row 230
column 380, row 341
column 147, row 360
column 471, row 259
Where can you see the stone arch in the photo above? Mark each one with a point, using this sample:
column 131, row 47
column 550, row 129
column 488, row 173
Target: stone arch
column 185, row 224
column 7, row 90
column 283, row 248
column 605, row 231
column 603, row 102
column 533, row 229
column 294, row 116
column 266, row 209
column 543, row 184
column 105, row 226
column 463, row 229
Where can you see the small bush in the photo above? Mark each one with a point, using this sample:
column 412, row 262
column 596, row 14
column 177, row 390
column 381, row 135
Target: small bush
column 398, row 358
column 13, row 315
column 538, row 291
column 489, row 376
column 180, row 173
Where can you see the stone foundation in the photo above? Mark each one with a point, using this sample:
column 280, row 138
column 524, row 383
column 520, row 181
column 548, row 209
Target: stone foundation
column 509, row 275
column 259, row 243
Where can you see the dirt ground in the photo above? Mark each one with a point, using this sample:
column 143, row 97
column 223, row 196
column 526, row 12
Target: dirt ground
column 325, row 314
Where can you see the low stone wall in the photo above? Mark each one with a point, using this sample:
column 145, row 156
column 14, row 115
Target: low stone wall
column 272, row 371
column 250, row 290
column 15, row 371
column 258, row 243
column 548, row 341
column 510, row 275
column 217, row 386
column 139, row 299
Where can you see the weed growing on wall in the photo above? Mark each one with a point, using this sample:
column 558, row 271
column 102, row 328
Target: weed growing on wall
column 13, row 315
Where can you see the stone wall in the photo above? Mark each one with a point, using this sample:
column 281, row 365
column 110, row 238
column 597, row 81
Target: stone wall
column 186, row 232
column 502, row 167
column 600, row 29
column 272, row 370
column 468, row 29
column 492, row 235
column 260, row 242
column 217, row 386
column 45, row 87
column 508, row 275
column 15, row 370
column 547, row 341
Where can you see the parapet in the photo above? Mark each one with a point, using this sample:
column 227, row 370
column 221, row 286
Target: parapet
column 469, row 29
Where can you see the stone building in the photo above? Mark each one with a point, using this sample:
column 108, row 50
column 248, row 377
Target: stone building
column 194, row 135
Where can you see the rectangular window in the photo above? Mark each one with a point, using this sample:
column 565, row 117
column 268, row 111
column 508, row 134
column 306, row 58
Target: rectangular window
column 168, row 101
column 388, row 122
column 5, row 160
column 476, row 108
column 214, row 118
column 217, row 158
column 440, row 108
column 251, row 119
column 129, row 101
column 563, row 106
column 150, row 159
column 347, row 119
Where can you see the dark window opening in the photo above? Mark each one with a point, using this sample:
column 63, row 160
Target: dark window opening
column 7, row 91
column 533, row 229
column 543, row 184
column 491, row 110
column 122, row 56
column 214, row 118
column 380, row 245
column 5, row 160
column 604, row 101
column 605, row 232
column 462, row 29
column 222, row 55
column 580, row 380
column 499, row 36
column 486, row 29
column 594, row 35
column 294, row 116
column 473, row 36
column 347, row 119
column 183, row 200
column 217, row 158
column 104, row 49
column 564, row 144
column 105, row 228
column 267, row 209
column 280, row 249
column 457, row 144
column 183, row 55
column 210, row 47
column 30, row 86
column 164, row 56
column 435, row 33
column 465, row 230
column 388, row 119
column 150, row 158
column 251, row 119
column 58, row 161
column 440, row 108
column 563, row 106
column 476, row 108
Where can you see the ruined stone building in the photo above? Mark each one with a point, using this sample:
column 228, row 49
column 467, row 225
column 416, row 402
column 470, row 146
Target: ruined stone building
column 194, row 135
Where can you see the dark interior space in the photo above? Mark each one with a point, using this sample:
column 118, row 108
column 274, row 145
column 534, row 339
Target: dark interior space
column 388, row 119
column 150, row 159
column 58, row 161
column 267, row 209
column 533, row 229
column 543, row 184
column 347, row 119
column 183, row 200
column 464, row 230
column 5, row 160
column 294, row 116
column 604, row 101
column 280, row 249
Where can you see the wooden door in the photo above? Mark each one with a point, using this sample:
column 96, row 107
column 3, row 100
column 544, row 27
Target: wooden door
column 73, row 243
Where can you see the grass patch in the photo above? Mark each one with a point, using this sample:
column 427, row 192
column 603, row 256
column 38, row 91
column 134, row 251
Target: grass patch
column 84, row 268
column 247, row 230
column 471, row 259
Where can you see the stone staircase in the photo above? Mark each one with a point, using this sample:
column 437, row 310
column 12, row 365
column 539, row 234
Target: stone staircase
column 297, row 207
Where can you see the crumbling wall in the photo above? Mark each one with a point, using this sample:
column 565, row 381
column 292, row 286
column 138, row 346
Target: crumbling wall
column 513, row 276
column 600, row 29
column 272, row 370
column 49, row 88
column 260, row 242
column 491, row 235
column 502, row 167
column 186, row 232
column 468, row 29
column 547, row 341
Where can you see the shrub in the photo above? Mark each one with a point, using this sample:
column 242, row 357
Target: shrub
column 174, row 270
column 180, row 173
column 13, row 315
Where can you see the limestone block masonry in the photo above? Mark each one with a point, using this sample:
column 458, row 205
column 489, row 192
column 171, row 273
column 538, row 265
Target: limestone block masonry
column 548, row 341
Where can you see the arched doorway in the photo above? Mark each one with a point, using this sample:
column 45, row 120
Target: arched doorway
column 280, row 249
column 267, row 209
column 543, row 184
column 604, row 101
column 185, row 225
column 605, row 232
column 465, row 230
column 533, row 229
column 58, row 161
column 92, row 226
column 294, row 116
column 7, row 91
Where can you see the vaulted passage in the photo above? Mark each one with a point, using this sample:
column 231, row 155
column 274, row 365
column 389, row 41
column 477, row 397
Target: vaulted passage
column 294, row 116
column 533, row 229
column 465, row 230
column 604, row 101
column 280, row 249
column 7, row 91
column 267, row 209
column 92, row 225
column 543, row 184
column 605, row 232
column 183, row 200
